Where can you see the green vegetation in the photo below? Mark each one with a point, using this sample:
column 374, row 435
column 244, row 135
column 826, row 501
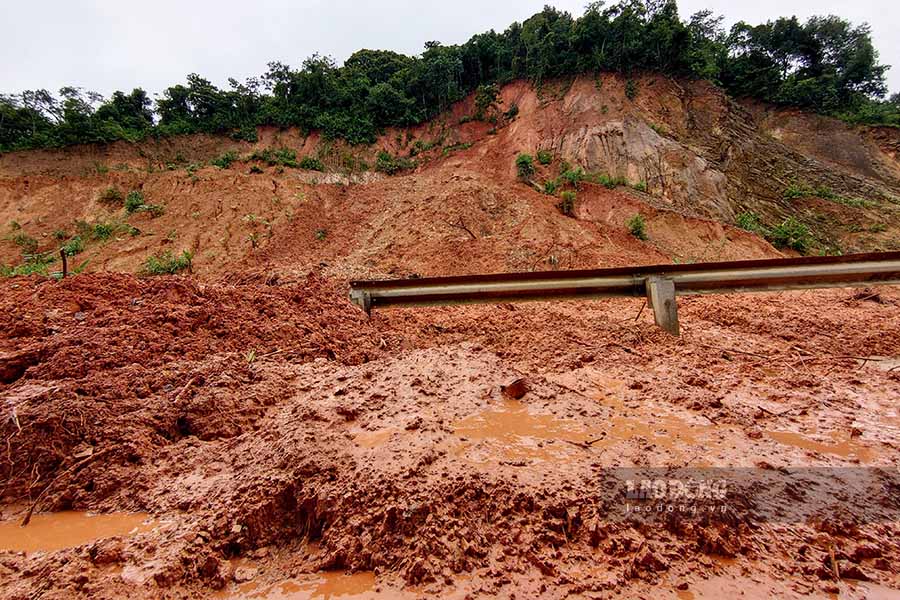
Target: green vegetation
column 525, row 166
column 25, row 242
column 111, row 195
column 825, row 64
column 545, row 157
column 103, row 231
column 321, row 234
column 284, row 157
column 73, row 246
column 34, row 264
column 134, row 201
column 311, row 164
column 802, row 190
column 791, row 233
column 637, row 226
column 749, row 221
column 487, row 103
column 567, row 203
column 631, row 89
column 224, row 161
column 640, row 186
column 550, row 187
column 388, row 164
column 167, row 263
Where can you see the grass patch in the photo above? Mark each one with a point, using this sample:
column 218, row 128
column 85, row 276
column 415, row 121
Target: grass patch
column 224, row 161
column 311, row 164
column 390, row 165
column 111, row 195
column 168, row 263
column 284, row 157
column 545, row 157
column 792, row 234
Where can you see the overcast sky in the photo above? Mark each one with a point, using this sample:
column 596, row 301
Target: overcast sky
column 105, row 45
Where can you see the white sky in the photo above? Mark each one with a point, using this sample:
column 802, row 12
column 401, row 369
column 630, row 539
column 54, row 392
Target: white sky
column 105, row 45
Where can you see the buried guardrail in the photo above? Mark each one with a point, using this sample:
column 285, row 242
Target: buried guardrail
column 659, row 283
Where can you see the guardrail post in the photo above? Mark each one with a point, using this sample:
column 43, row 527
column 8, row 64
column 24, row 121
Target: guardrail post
column 661, row 295
column 362, row 299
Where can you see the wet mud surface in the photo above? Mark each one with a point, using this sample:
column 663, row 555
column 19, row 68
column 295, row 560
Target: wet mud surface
column 246, row 440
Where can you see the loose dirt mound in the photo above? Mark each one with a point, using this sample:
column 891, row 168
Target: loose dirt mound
column 390, row 446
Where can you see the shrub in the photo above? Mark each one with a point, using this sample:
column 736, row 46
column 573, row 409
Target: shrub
column 321, row 234
column 311, row 164
column 60, row 234
column 545, row 157
column 606, row 180
column 550, row 187
column 73, row 246
column 640, row 186
column 134, row 201
column 631, row 89
column 255, row 170
column 525, row 166
column 103, row 231
column 567, row 203
column 513, row 111
column 749, row 221
column 286, row 157
column 111, row 195
column 283, row 156
column 791, row 233
column 573, row 177
column 26, row 243
column 638, row 227
column 385, row 163
column 168, row 263
column 224, row 161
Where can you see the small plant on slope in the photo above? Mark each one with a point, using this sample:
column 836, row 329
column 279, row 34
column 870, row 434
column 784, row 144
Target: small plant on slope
column 638, row 227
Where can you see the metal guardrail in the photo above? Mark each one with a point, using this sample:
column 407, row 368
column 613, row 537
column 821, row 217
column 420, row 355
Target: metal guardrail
column 659, row 283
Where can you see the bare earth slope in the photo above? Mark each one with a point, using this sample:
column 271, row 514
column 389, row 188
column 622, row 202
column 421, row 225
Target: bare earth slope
column 281, row 444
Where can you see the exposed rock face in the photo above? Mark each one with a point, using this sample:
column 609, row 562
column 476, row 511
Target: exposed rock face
column 632, row 149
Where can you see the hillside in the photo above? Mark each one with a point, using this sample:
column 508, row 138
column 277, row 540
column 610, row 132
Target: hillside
column 282, row 444
column 703, row 159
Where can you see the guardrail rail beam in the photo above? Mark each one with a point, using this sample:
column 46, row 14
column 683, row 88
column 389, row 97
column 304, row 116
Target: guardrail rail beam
column 659, row 283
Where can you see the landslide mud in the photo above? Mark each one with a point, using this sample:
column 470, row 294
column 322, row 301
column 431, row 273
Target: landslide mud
column 278, row 439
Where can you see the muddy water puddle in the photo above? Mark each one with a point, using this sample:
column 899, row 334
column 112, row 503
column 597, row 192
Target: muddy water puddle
column 321, row 586
column 55, row 531
column 512, row 432
column 373, row 439
column 843, row 446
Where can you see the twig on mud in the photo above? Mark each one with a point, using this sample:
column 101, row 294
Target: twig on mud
column 81, row 462
column 588, row 445
column 461, row 224
column 640, row 312
column 186, row 387
column 834, row 565
column 784, row 412
column 735, row 351
column 626, row 349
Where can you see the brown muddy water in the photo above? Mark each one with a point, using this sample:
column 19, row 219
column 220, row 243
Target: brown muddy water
column 49, row 532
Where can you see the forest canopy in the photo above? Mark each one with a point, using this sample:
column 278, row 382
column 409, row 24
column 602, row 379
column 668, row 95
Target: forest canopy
column 825, row 64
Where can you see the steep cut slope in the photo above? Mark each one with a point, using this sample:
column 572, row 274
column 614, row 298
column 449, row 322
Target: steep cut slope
column 700, row 159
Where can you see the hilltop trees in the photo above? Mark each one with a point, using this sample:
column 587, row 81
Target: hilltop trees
column 825, row 64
